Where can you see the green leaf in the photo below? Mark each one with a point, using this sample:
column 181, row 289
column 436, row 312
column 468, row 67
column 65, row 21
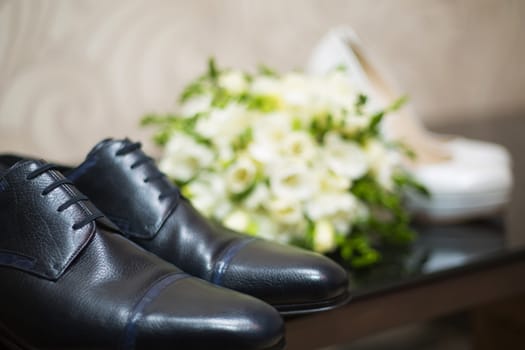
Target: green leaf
column 390, row 220
column 221, row 98
column 238, row 197
column 360, row 103
column 265, row 104
column 213, row 71
column 404, row 180
column 156, row 119
column 341, row 68
column 243, row 140
column 297, row 124
column 397, row 104
column 193, row 89
column 358, row 251
column 403, row 148
column 374, row 123
column 265, row 70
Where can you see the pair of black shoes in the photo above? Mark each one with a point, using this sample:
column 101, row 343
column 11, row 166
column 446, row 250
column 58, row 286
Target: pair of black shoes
column 74, row 278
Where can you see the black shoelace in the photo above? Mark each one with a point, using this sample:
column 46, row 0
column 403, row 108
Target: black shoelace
column 173, row 191
column 76, row 199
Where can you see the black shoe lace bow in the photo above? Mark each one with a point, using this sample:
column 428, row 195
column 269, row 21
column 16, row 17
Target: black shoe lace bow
column 171, row 192
column 75, row 199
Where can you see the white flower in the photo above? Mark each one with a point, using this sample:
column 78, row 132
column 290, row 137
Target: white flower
column 238, row 220
column 184, row 157
column 221, row 125
column 292, row 180
column 334, row 202
column 355, row 123
column 195, row 105
column 258, row 197
column 383, row 162
column 267, row 227
column 344, row 157
column 286, row 211
column 201, row 197
column 233, row 81
column 296, row 90
column 266, row 86
column 269, row 131
column 299, row 145
column 208, row 195
column 290, row 232
column 324, row 237
column 331, row 205
column 241, row 175
column 338, row 89
column 332, row 182
column 225, row 152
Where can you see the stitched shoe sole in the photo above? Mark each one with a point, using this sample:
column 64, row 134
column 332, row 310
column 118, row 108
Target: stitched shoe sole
column 8, row 343
column 308, row 308
column 279, row 346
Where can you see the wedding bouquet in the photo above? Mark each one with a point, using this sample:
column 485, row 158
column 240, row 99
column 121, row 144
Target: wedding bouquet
column 292, row 158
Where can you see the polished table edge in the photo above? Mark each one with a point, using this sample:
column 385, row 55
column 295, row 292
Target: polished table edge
column 423, row 298
column 488, row 260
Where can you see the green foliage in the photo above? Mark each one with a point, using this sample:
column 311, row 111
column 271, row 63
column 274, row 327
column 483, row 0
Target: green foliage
column 194, row 89
column 390, row 223
column 404, row 180
column 265, row 70
column 357, row 250
column 398, row 104
column 321, row 125
column 213, row 71
column 169, row 124
column 243, row 140
column 261, row 103
column 360, row 103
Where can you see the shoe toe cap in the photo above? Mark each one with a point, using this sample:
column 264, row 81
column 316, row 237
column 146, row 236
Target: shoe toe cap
column 289, row 278
column 193, row 314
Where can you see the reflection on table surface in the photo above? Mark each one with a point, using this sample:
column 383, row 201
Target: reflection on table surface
column 438, row 249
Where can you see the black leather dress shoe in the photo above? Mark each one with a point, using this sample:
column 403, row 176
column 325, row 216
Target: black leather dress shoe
column 130, row 190
column 70, row 282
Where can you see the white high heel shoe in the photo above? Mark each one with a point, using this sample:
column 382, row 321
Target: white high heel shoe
column 466, row 178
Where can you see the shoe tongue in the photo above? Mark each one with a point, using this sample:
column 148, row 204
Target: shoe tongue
column 99, row 146
column 35, row 236
column 118, row 188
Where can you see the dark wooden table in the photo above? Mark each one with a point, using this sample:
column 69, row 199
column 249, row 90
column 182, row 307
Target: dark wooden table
column 449, row 269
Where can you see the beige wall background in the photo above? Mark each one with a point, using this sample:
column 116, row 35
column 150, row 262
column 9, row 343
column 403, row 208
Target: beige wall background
column 74, row 72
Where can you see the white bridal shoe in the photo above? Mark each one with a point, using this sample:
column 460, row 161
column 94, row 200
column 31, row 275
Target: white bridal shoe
column 466, row 178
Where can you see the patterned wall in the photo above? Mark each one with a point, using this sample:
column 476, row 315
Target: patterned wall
column 74, row 72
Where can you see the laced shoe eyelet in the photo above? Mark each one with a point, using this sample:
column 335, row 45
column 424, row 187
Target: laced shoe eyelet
column 73, row 199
